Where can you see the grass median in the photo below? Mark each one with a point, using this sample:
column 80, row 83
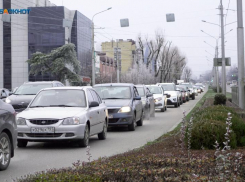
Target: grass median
column 166, row 159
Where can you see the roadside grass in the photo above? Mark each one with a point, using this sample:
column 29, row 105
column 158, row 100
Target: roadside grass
column 164, row 159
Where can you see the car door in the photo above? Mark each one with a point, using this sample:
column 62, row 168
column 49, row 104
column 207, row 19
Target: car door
column 100, row 113
column 93, row 113
column 138, row 104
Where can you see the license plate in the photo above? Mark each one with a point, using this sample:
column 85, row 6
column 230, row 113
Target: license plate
column 110, row 116
column 42, row 130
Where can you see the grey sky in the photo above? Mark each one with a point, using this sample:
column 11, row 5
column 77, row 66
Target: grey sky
column 147, row 16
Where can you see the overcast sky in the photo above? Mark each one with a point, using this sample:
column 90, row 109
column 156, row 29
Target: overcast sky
column 147, row 16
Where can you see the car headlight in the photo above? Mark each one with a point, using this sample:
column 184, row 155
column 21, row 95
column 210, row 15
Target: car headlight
column 8, row 101
column 71, row 121
column 158, row 99
column 20, row 121
column 125, row 109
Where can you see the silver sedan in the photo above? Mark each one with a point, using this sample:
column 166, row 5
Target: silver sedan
column 64, row 113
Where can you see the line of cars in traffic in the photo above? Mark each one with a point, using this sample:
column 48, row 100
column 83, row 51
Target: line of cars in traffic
column 49, row 111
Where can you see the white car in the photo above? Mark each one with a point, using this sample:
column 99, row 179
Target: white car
column 171, row 90
column 63, row 113
column 159, row 96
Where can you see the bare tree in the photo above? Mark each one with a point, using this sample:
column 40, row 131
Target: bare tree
column 187, row 74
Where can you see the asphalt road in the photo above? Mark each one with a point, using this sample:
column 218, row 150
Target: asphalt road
column 41, row 156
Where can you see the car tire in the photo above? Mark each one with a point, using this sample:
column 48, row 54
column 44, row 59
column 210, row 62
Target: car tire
column 193, row 97
column 5, row 141
column 85, row 141
column 140, row 122
column 131, row 127
column 176, row 105
column 163, row 109
column 103, row 134
column 22, row 143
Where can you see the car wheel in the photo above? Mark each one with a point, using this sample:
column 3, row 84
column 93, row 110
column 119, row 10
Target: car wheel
column 165, row 108
column 140, row 122
column 131, row 127
column 85, row 141
column 5, row 151
column 176, row 105
column 22, row 143
column 103, row 134
column 193, row 97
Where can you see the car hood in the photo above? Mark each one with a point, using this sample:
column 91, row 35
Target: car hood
column 24, row 99
column 117, row 102
column 50, row 112
column 171, row 92
column 157, row 96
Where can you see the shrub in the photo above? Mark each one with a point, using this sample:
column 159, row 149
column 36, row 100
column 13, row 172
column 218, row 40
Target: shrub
column 219, row 99
column 206, row 132
column 209, row 126
column 215, row 88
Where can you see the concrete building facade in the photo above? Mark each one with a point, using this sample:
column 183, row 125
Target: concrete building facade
column 124, row 50
column 42, row 30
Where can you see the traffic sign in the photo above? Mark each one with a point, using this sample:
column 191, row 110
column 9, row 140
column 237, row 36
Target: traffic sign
column 218, row 61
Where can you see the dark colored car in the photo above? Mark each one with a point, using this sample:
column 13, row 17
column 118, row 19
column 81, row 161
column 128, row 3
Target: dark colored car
column 8, row 134
column 22, row 96
column 123, row 103
column 147, row 100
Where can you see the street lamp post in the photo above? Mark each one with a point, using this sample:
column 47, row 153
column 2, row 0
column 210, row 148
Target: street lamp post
column 223, row 49
column 93, row 57
column 240, row 52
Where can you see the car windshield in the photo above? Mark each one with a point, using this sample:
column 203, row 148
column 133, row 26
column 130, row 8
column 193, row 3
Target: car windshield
column 114, row 92
column 187, row 85
column 155, row 90
column 168, row 87
column 60, row 98
column 31, row 89
column 141, row 91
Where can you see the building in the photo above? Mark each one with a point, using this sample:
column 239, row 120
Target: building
column 124, row 50
column 41, row 30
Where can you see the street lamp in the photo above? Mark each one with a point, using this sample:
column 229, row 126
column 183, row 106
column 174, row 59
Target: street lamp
column 93, row 61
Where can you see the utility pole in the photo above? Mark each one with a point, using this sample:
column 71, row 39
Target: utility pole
column 217, row 69
column 223, row 48
column 93, row 66
column 240, row 52
column 118, row 79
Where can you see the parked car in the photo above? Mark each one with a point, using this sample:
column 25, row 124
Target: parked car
column 187, row 92
column 4, row 93
column 191, row 90
column 147, row 100
column 170, row 89
column 8, row 134
column 183, row 93
column 200, row 87
column 160, row 97
column 63, row 113
column 26, row 92
column 124, row 104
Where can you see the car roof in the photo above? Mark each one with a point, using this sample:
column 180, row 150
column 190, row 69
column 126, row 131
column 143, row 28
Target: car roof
column 42, row 82
column 114, row 84
column 166, row 83
column 153, row 86
column 68, row 88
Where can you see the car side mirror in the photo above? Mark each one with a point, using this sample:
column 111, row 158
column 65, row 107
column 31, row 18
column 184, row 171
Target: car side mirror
column 137, row 98
column 93, row 104
column 10, row 93
column 149, row 95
